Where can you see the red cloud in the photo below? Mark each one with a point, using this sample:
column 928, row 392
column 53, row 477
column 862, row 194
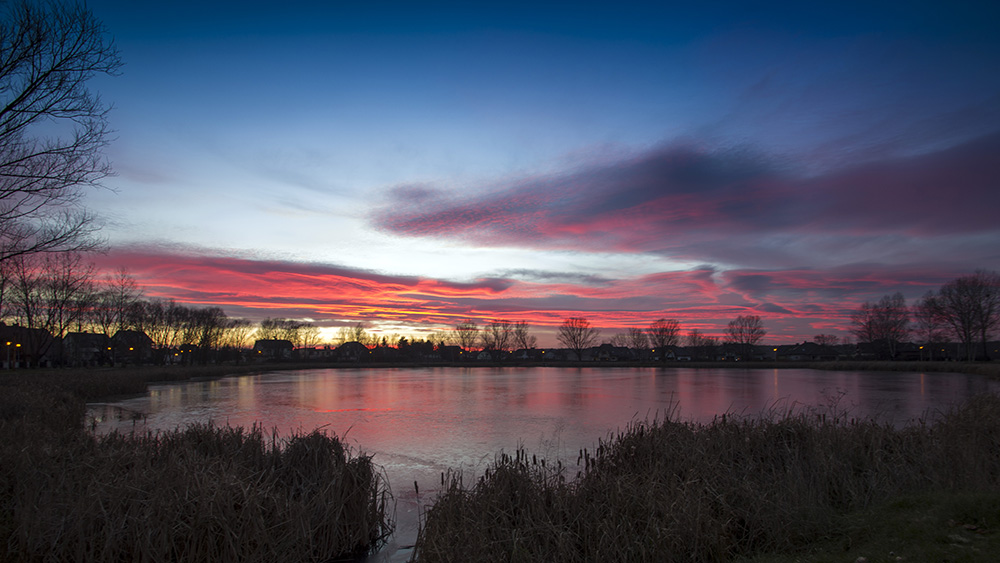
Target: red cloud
column 792, row 302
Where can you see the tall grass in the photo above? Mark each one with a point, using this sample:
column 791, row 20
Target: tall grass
column 204, row 493
column 667, row 490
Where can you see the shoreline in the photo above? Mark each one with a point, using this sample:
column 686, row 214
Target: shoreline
column 99, row 384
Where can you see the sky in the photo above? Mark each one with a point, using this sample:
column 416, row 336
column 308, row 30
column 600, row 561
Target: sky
column 408, row 165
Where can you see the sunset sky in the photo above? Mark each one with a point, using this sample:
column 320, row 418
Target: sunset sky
column 409, row 165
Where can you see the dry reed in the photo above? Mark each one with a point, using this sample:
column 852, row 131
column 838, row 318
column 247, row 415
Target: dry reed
column 675, row 491
column 205, row 493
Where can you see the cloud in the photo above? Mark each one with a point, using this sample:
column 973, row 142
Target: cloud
column 545, row 276
column 730, row 207
column 793, row 302
column 676, row 186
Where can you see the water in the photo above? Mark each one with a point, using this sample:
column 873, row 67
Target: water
column 419, row 423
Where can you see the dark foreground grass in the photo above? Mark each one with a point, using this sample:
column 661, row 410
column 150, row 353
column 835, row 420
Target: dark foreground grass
column 205, row 493
column 950, row 527
column 733, row 489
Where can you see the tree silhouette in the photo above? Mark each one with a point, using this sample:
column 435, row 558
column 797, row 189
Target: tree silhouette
column 467, row 334
column 115, row 302
column 746, row 331
column 664, row 333
column 702, row 346
column 883, row 324
column 970, row 306
column 497, row 338
column 826, row 339
column 356, row 333
column 576, row 334
column 929, row 326
column 52, row 129
column 634, row 339
column 523, row 340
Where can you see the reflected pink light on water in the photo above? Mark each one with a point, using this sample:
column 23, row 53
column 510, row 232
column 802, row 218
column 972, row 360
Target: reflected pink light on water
column 497, row 408
column 349, row 410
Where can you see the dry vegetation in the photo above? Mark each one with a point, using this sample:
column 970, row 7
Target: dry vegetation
column 204, row 493
column 738, row 487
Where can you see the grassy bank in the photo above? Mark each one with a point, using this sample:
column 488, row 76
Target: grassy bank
column 738, row 488
column 989, row 369
column 204, row 493
column 92, row 384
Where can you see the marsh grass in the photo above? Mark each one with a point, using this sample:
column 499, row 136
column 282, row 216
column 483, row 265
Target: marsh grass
column 667, row 490
column 204, row 493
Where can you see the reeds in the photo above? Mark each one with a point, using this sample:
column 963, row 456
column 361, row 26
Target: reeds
column 204, row 493
column 675, row 491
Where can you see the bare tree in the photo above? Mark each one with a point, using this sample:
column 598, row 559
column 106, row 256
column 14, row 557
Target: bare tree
column 281, row 329
column 576, row 334
column 115, row 302
column 664, row 333
column 26, row 279
column 26, row 299
column 438, row 338
column 826, row 339
column 619, row 340
column 522, row 339
column 6, row 283
column 205, row 329
column 268, row 329
column 48, row 294
column 467, row 334
column 637, row 339
column 634, row 339
column 970, row 306
column 309, row 335
column 883, row 324
column 864, row 323
column 52, row 128
column 291, row 330
column 66, row 290
column 702, row 346
column 175, row 318
column 497, row 337
column 237, row 335
column 357, row 333
column 929, row 326
column 745, row 331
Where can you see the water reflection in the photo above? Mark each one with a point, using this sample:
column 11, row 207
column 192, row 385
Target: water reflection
column 420, row 422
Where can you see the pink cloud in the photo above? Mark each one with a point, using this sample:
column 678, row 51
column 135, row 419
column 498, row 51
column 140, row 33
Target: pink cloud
column 733, row 208
column 793, row 302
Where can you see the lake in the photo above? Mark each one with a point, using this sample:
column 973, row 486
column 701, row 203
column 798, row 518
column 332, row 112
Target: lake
column 419, row 422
